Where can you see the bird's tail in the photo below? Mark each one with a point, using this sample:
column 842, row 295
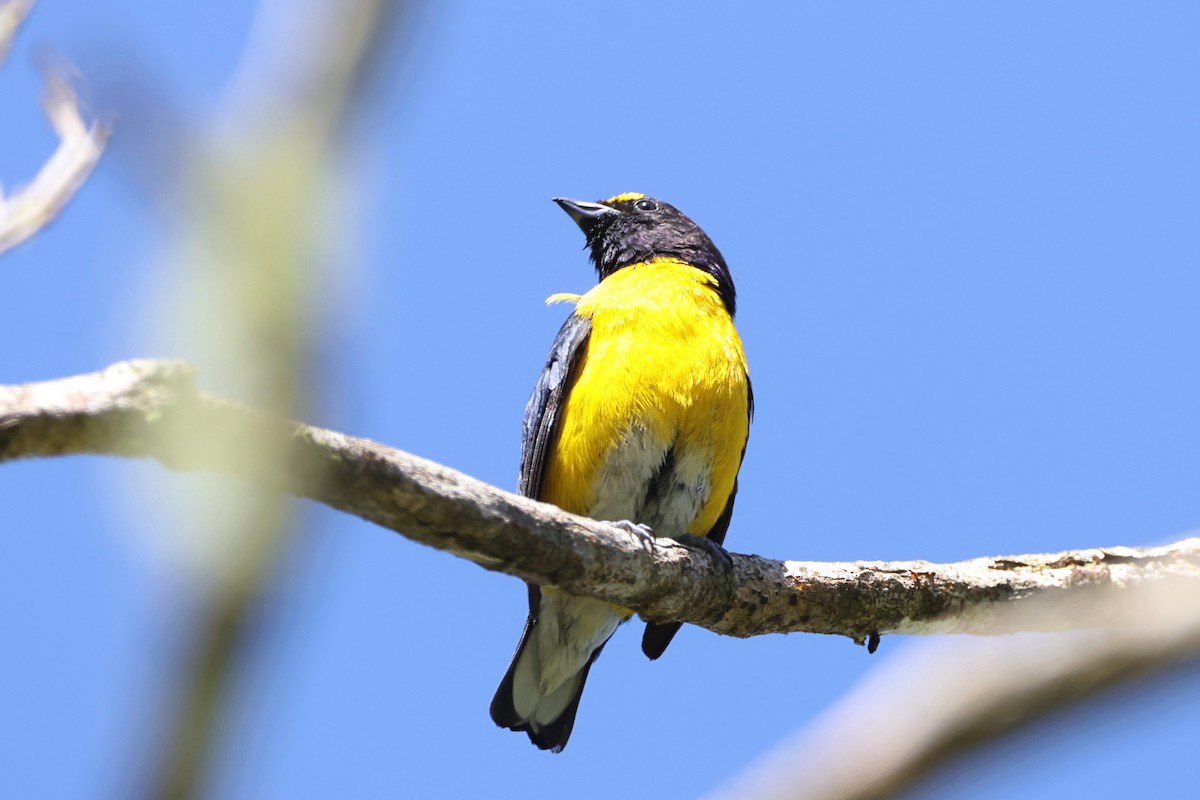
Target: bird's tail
column 540, row 691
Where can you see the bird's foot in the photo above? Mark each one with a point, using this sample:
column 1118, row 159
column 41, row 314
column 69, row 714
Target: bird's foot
column 644, row 532
column 694, row 542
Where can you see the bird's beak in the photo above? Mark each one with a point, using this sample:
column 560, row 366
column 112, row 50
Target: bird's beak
column 588, row 216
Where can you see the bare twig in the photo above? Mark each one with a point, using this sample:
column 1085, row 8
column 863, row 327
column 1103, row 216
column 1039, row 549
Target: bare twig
column 131, row 408
column 31, row 207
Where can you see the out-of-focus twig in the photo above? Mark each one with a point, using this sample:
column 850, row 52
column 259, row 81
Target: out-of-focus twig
column 12, row 14
column 258, row 201
column 934, row 703
column 80, row 145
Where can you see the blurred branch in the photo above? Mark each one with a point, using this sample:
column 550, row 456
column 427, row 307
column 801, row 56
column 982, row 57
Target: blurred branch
column 930, row 706
column 31, row 207
column 132, row 409
column 257, row 239
column 12, row 14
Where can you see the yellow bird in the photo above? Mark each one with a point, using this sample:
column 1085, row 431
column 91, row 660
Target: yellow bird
column 640, row 417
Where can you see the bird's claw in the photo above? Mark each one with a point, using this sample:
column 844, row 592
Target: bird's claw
column 719, row 553
column 643, row 532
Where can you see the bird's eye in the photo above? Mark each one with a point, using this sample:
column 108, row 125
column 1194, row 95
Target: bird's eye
column 647, row 205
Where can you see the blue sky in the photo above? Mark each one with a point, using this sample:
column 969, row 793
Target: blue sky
column 965, row 243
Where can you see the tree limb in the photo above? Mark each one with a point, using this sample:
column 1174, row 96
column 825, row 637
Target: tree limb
column 131, row 409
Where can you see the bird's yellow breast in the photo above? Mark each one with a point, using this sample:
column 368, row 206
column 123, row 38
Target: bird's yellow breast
column 663, row 374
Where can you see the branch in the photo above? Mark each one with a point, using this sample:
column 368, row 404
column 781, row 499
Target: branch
column 31, row 207
column 133, row 408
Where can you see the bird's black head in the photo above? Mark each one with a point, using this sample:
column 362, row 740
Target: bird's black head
column 632, row 228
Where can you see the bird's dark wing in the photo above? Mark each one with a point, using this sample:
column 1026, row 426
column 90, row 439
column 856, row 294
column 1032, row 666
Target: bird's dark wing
column 542, row 412
column 538, row 432
column 540, row 426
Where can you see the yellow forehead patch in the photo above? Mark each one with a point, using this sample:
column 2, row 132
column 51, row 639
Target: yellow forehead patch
column 624, row 198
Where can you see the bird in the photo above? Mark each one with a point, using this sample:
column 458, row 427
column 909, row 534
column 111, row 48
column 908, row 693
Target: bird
column 640, row 417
